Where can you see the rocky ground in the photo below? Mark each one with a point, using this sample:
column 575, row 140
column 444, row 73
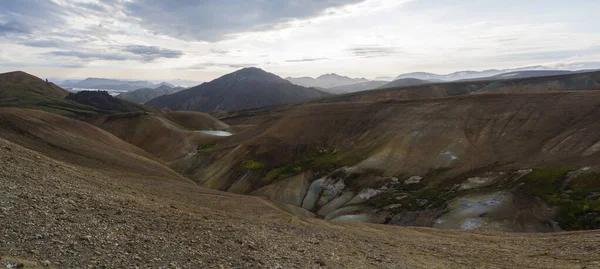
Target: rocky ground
column 58, row 215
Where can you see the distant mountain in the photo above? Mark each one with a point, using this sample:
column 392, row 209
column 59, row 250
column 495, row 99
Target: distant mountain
column 530, row 74
column 464, row 75
column 101, row 100
column 405, row 82
column 326, row 81
column 183, row 82
column 144, row 95
column 245, row 88
column 384, row 78
column 164, row 84
column 108, row 84
column 357, row 87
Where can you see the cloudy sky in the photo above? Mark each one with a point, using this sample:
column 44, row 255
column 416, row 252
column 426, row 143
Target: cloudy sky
column 203, row 39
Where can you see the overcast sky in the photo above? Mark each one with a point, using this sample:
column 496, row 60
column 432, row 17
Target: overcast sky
column 203, row 39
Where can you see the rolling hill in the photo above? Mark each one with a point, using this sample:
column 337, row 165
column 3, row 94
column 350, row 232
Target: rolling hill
column 168, row 136
column 404, row 82
column 569, row 82
column 22, row 90
column 407, row 162
column 103, row 101
column 245, row 88
column 19, row 89
column 363, row 86
column 487, row 157
column 93, row 215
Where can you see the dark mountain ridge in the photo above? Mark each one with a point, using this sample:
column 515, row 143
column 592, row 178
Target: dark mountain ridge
column 245, row 88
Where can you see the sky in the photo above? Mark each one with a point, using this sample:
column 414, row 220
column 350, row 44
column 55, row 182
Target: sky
column 203, row 39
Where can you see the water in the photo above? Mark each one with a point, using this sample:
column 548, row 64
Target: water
column 111, row 92
column 216, row 133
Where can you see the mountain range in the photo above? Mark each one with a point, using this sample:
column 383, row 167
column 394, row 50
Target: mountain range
column 121, row 85
column 243, row 89
column 144, row 95
column 326, row 81
column 530, row 71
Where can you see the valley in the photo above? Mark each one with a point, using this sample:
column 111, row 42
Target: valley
column 423, row 176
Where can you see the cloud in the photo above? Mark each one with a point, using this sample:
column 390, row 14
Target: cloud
column 305, row 60
column 89, row 55
column 25, row 16
column 151, row 53
column 43, row 43
column 550, row 55
column 373, row 51
column 226, row 65
column 220, row 52
column 214, row 20
column 92, row 7
column 13, row 27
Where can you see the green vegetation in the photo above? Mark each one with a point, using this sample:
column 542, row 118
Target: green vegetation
column 579, row 205
column 206, row 147
column 323, row 160
column 254, row 165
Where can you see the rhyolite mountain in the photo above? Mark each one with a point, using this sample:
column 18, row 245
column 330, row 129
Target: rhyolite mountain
column 245, row 88
column 326, row 81
column 144, row 95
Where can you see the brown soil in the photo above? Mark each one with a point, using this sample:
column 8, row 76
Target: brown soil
column 66, row 216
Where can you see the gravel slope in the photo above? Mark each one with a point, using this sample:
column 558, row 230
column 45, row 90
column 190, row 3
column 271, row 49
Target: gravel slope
column 67, row 216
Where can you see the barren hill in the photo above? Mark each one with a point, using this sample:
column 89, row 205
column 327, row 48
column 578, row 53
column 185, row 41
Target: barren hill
column 19, row 80
column 77, row 142
column 167, row 136
column 442, row 144
column 79, row 215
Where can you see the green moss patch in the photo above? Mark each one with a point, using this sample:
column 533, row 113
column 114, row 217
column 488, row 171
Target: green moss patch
column 579, row 206
column 254, row 165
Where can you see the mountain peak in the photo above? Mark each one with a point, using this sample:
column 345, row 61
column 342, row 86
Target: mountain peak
column 331, row 75
column 253, row 74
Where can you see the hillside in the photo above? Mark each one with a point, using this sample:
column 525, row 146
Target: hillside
column 167, row 136
column 103, row 101
column 569, row 82
column 405, row 162
column 245, row 88
column 19, row 89
column 470, row 75
column 21, row 81
column 141, row 96
column 363, row 86
column 404, row 82
column 92, row 216
column 77, row 143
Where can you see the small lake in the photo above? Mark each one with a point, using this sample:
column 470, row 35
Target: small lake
column 216, row 133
